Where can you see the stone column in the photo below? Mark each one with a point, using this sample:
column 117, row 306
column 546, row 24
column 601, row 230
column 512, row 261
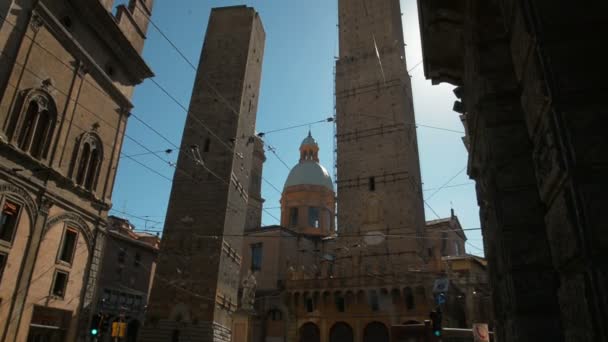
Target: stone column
column 29, row 261
column 512, row 214
column 558, row 66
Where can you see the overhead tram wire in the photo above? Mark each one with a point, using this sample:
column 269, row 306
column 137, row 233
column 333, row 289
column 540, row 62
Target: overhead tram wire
column 139, row 119
column 233, row 110
column 445, row 184
column 211, row 86
column 225, row 102
column 111, row 148
column 264, row 133
column 171, row 97
column 451, row 186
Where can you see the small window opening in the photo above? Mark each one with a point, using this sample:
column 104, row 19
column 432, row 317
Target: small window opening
column 122, row 255
column 59, row 284
column 207, row 144
column 372, row 184
column 256, row 257
column 69, row 245
column 276, row 315
column 293, row 217
column 313, row 217
column 3, row 258
column 137, row 260
column 8, row 221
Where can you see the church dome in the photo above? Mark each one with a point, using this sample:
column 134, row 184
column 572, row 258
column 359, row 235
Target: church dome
column 309, row 172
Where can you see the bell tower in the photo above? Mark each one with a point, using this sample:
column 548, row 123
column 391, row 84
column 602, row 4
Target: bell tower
column 378, row 179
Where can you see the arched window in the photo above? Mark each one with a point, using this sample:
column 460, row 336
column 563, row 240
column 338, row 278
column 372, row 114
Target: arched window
column 409, row 298
column 35, row 124
column 87, row 161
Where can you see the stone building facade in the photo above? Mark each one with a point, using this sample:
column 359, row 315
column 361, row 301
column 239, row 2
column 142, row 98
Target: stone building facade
column 200, row 257
column 306, row 289
column 527, row 76
column 126, row 275
column 67, row 73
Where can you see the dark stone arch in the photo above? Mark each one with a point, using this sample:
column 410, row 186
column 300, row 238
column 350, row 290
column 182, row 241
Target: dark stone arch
column 341, row 332
column 309, row 332
column 375, row 332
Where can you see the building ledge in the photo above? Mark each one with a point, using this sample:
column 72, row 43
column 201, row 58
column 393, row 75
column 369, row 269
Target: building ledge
column 441, row 33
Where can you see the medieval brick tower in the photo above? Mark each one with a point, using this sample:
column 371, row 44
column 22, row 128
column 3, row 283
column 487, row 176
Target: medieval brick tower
column 379, row 185
column 195, row 292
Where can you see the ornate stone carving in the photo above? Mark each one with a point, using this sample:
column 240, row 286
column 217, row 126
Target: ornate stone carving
column 36, row 22
column 248, row 297
column 547, row 162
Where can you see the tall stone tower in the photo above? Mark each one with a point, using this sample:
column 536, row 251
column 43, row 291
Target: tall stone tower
column 195, row 292
column 379, row 186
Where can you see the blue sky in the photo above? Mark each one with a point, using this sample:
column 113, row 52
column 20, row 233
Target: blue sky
column 297, row 87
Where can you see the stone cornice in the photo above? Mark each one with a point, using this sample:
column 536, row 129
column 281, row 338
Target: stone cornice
column 89, row 64
column 104, row 24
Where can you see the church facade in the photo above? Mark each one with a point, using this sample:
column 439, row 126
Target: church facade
column 305, row 284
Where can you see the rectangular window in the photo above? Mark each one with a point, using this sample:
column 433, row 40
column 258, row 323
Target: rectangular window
column 137, row 260
column 68, row 246
column 293, row 217
column 8, row 221
column 122, row 255
column 372, row 184
column 60, row 283
column 256, row 257
column 3, row 258
column 313, row 217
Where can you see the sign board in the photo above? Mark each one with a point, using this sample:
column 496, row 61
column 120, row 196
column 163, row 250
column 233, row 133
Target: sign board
column 441, row 285
column 480, row 332
column 119, row 329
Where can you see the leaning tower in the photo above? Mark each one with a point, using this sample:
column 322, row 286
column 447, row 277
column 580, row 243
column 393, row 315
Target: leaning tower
column 378, row 181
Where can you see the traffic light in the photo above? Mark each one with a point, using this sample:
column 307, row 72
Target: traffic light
column 95, row 324
column 436, row 322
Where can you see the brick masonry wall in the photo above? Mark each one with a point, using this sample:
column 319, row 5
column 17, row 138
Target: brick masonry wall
column 200, row 251
column 376, row 137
